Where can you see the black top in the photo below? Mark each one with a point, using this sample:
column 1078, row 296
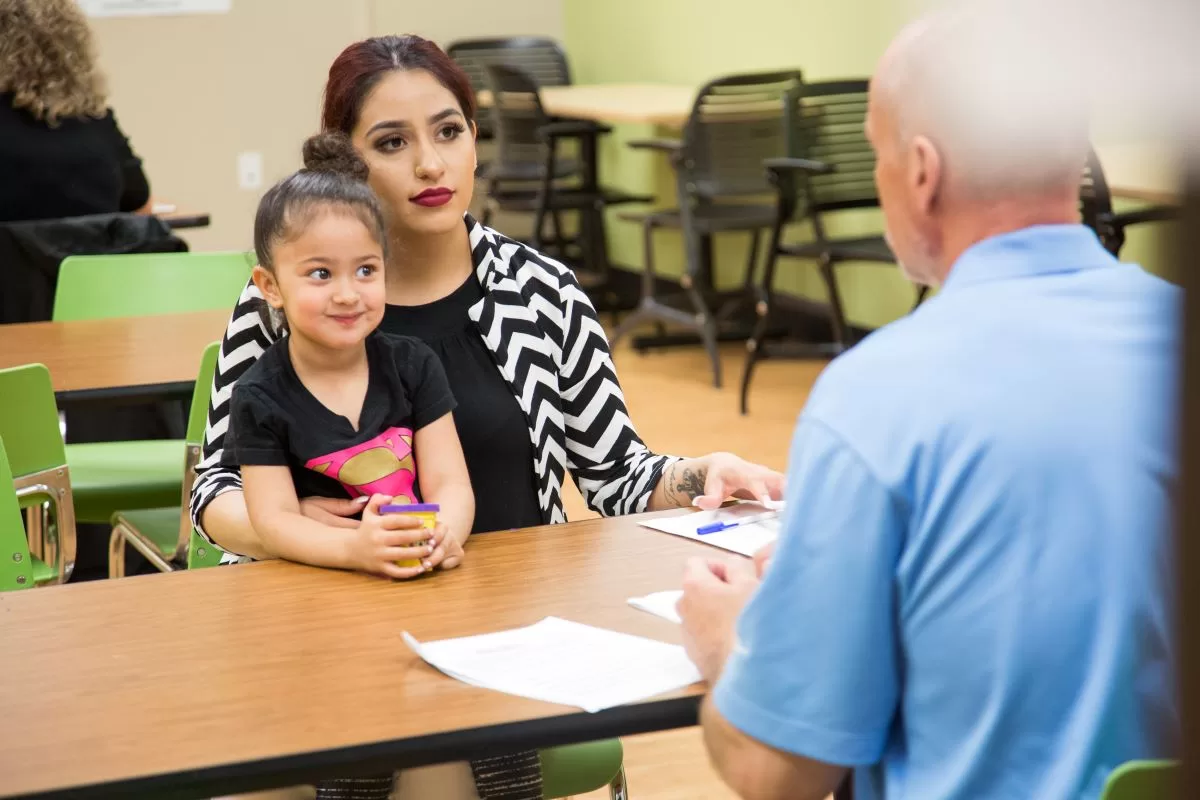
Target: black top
column 274, row 420
column 81, row 166
column 490, row 422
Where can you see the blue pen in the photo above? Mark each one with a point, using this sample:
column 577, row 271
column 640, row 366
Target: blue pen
column 716, row 527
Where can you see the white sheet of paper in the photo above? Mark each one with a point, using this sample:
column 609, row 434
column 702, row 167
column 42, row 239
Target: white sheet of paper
column 745, row 539
column 142, row 8
column 660, row 604
column 563, row 662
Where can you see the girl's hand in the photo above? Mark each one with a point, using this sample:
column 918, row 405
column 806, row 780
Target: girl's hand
column 449, row 552
column 383, row 539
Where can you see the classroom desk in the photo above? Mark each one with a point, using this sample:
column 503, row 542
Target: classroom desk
column 235, row 678
column 647, row 103
column 122, row 357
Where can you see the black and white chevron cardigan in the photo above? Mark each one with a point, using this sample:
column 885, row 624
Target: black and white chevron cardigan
column 549, row 345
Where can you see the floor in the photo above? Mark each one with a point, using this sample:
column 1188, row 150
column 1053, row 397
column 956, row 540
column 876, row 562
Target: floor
column 677, row 410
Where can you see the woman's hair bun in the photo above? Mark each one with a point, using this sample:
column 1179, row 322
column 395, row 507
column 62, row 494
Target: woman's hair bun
column 332, row 151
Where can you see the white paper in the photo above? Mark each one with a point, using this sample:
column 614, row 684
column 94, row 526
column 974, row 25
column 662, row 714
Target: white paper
column 563, row 662
column 660, row 604
column 143, row 8
column 745, row 539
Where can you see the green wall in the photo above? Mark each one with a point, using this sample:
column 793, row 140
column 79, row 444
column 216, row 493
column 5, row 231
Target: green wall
column 687, row 42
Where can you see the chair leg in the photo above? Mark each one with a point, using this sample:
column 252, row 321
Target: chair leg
column 836, row 311
column 699, row 265
column 635, row 317
column 116, row 552
column 618, row 789
column 762, row 308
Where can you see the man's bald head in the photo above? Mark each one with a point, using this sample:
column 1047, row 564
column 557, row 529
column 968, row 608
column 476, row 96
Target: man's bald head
column 997, row 97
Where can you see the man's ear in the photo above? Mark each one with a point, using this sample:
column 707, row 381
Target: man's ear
column 266, row 283
column 925, row 173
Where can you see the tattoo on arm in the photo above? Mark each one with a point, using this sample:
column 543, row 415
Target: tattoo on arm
column 684, row 484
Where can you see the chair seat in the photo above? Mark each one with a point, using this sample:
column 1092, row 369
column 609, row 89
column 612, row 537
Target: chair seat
column 711, row 218
column 107, row 477
column 867, row 248
column 580, row 768
column 156, row 526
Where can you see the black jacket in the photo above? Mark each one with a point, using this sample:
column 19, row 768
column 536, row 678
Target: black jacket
column 30, row 254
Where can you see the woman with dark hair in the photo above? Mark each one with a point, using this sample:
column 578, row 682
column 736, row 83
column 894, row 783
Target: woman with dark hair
column 523, row 350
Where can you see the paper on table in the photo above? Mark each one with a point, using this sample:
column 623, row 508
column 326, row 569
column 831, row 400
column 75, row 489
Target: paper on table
column 563, row 662
column 660, row 604
column 745, row 539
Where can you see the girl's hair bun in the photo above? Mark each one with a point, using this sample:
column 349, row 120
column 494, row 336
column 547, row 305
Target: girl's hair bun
column 332, row 151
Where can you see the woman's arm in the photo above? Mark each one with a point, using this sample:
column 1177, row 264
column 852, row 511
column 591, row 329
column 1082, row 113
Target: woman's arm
column 625, row 477
column 228, row 526
column 615, row 472
column 442, row 473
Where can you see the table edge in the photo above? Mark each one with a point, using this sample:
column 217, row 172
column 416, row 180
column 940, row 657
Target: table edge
column 572, row 727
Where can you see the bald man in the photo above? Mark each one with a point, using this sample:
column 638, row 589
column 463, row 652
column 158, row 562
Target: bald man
column 971, row 598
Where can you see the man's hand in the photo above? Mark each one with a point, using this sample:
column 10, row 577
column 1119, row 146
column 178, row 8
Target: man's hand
column 714, row 593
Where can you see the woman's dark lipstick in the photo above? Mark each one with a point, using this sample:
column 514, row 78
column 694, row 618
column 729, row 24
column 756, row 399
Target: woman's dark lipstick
column 431, row 198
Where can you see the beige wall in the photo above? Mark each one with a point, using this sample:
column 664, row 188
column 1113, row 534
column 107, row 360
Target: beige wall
column 192, row 92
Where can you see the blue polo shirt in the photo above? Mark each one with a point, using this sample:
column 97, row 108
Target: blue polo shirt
column 972, row 596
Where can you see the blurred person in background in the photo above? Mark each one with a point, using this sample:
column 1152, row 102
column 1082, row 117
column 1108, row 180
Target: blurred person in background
column 62, row 153
column 973, row 593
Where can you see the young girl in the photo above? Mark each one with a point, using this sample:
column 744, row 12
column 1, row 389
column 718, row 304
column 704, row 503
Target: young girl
column 337, row 407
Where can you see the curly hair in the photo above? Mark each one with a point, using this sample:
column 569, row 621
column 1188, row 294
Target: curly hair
column 48, row 60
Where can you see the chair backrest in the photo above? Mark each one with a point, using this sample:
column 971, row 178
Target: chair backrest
column 1095, row 204
column 1143, row 780
column 541, row 58
column 36, row 453
column 99, row 287
column 830, row 129
column 16, row 567
column 736, row 122
column 516, row 115
column 194, row 437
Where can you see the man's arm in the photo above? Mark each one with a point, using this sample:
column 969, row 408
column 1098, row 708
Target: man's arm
column 760, row 772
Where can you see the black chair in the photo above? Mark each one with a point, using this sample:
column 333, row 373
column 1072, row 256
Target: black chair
column 529, row 174
column 541, row 58
column 1096, row 208
column 735, row 123
column 835, row 173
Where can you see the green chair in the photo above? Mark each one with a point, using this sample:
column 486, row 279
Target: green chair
column 113, row 476
column 1143, row 780
column 162, row 534
column 566, row 771
column 37, row 462
column 148, row 284
column 18, row 568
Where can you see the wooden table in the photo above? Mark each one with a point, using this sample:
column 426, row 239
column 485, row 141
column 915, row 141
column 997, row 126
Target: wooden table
column 177, row 218
column 237, row 678
column 122, row 357
column 648, row 103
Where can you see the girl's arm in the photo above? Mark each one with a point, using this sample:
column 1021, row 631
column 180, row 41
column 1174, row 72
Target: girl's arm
column 442, row 474
column 374, row 546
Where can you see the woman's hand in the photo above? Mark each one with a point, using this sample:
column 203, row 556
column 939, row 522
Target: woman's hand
column 335, row 512
column 383, row 539
column 709, row 481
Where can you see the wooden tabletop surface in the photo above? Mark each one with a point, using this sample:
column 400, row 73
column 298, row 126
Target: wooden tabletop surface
column 127, row 355
column 235, row 678
column 648, row 103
